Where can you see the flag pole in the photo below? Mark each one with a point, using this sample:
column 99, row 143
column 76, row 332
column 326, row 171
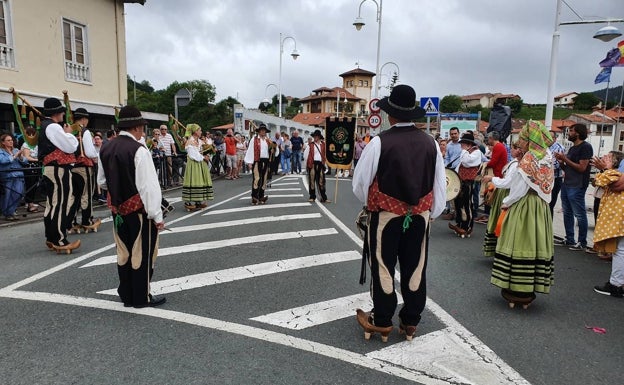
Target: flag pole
column 604, row 111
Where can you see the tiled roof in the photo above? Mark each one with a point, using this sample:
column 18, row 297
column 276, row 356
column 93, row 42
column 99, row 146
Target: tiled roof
column 616, row 113
column 595, row 118
column 476, row 96
column 566, row 94
column 357, row 71
column 224, row 127
column 312, row 118
column 330, row 93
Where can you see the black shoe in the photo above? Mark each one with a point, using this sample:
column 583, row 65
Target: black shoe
column 610, row 289
column 562, row 242
column 155, row 300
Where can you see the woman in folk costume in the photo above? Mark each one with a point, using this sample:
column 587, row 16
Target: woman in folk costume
column 501, row 190
column 523, row 263
column 197, row 186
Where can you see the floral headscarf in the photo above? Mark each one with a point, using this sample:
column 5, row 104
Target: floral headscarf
column 538, row 137
column 536, row 166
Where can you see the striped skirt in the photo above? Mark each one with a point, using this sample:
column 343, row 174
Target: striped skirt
column 524, row 253
column 197, row 186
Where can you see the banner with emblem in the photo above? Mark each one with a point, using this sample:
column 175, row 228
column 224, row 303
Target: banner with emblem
column 339, row 142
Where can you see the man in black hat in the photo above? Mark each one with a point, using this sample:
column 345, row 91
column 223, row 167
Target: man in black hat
column 468, row 168
column 56, row 152
column 259, row 153
column 128, row 173
column 82, row 177
column 400, row 178
column 315, row 167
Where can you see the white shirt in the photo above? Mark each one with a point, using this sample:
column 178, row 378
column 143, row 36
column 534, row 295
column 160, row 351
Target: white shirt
column 62, row 140
column 317, row 151
column 146, row 181
column 505, row 182
column 264, row 150
column 87, row 145
column 469, row 159
column 366, row 170
column 168, row 142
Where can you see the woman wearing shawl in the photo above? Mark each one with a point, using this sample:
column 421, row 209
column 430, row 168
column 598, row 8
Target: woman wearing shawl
column 197, row 186
column 523, row 262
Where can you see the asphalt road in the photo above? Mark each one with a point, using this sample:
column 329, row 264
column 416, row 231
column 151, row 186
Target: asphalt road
column 265, row 295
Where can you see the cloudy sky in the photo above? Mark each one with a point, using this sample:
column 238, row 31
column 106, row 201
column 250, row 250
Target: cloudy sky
column 440, row 46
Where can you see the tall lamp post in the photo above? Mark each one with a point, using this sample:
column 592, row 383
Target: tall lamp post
column 607, row 33
column 294, row 55
column 359, row 23
column 394, row 64
column 338, row 100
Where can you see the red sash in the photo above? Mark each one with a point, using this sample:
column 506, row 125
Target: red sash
column 61, row 158
column 133, row 204
column 378, row 201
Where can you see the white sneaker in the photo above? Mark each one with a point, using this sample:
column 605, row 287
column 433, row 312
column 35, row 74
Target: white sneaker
column 339, row 174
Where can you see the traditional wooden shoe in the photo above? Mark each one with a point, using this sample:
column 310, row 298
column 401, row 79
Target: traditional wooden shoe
column 254, row 201
column 264, row 199
column 514, row 298
column 408, row 330
column 67, row 249
column 366, row 322
column 50, row 245
column 93, row 227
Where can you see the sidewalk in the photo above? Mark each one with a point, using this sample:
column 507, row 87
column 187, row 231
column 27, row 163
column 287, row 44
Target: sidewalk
column 559, row 229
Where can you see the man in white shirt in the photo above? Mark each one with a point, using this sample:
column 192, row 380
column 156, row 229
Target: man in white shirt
column 170, row 151
column 127, row 172
column 257, row 158
column 467, row 169
column 56, row 152
column 403, row 190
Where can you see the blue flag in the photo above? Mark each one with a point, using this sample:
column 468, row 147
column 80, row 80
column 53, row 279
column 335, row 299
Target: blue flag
column 612, row 59
column 603, row 76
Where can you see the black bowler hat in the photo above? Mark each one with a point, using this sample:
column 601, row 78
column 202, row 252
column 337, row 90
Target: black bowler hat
column 468, row 138
column 318, row 133
column 130, row 117
column 52, row 106
column 401, row 104
column 264, row 127
column 81, row 113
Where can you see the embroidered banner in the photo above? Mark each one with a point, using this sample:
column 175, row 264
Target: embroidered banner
column 340, row 142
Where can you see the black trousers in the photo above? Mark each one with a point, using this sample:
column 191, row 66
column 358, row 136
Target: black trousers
column 81, row 197
column 136, row 239
column 57, row 186
column 389, row 244
column 316, row 178
column 464, row 214
column 260, row 171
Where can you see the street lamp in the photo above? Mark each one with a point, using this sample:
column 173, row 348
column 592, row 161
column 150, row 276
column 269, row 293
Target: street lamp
column 359, row 23
column 266, row 101
column 605, row 34
column 338, row 100
column 294, row 55
column 394, row 64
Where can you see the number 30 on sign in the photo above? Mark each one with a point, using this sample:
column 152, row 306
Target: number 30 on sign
column 374, row 120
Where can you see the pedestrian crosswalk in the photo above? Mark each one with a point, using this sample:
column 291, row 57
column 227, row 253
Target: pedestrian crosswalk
column 451, row 353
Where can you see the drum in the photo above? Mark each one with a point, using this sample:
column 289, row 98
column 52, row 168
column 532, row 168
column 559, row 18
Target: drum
column 453, row 184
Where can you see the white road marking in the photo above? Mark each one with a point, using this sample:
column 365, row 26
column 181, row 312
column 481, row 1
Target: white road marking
column 321, row 312
column 278, row 196
column 234, row 328
column 224, row 243
column 284, row 184
column 244, row 272
column 239, row 222
column 259, row 207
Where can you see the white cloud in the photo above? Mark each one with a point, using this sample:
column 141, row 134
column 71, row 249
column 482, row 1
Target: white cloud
column 441, row 47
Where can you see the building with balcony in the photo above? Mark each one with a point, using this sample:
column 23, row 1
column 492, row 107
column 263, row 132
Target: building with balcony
column 75, row 45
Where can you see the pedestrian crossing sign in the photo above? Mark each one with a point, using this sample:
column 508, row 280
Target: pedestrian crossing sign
column 431, row 105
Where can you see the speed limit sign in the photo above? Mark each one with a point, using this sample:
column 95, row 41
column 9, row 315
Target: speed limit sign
column 374, row 120
column 372, row 105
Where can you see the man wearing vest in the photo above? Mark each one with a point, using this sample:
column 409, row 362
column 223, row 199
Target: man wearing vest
column 56, row 152
column 315, row 167
column 257, row 157
column 82, row 177
column 403, row 189
column 134, row 197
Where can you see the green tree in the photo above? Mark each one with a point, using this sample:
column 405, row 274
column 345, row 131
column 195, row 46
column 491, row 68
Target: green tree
column 585, row 101
column 450, row 103
column 515, row 105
